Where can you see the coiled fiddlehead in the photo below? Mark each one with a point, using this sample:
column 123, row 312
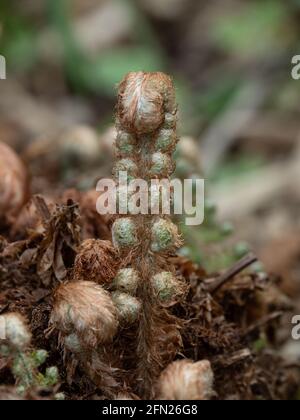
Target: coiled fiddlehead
column 146, row 139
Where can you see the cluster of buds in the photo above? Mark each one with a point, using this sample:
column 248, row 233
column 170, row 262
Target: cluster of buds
column 146, row 139
column 86, row 318
column 125, row 284
column 167, row 287
column 24, row 363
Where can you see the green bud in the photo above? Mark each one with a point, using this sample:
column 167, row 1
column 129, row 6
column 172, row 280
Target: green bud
column 60, row 396
column 39, row 357
column 170, row 120
column 125, row 165
column 162, row 165
column 165, row 141
column 123, row 198
column 72, row 343
column 165, row 285
column 125, row 143
column 164, row 236
column 126, row 280
column 124, row 233
column 18, row 367
column 21, row 389
column 128, row 307
column 51, row 376
column 23, row 369
column 16, row 331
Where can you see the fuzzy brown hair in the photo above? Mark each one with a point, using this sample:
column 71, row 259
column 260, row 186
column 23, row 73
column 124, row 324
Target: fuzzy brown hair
column 96, row 261
column 186, row 380
column 86, row 309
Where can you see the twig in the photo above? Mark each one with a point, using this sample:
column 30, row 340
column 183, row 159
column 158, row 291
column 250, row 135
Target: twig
column 233, row 271
column 263, row 321
column 234, row 358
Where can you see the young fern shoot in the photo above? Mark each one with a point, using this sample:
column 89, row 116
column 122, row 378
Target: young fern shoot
column 146, row 139
column 24, row 362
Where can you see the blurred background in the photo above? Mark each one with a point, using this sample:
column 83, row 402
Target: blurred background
column 239, row 107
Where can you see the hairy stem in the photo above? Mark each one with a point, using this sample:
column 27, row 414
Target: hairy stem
column 146, row 122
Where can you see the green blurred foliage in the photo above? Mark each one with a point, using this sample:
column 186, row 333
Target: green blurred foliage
column 256, row 28
column 18, row 39
column 106, row 71
column 238, row 168
column 100, row 74
column 208, row 244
